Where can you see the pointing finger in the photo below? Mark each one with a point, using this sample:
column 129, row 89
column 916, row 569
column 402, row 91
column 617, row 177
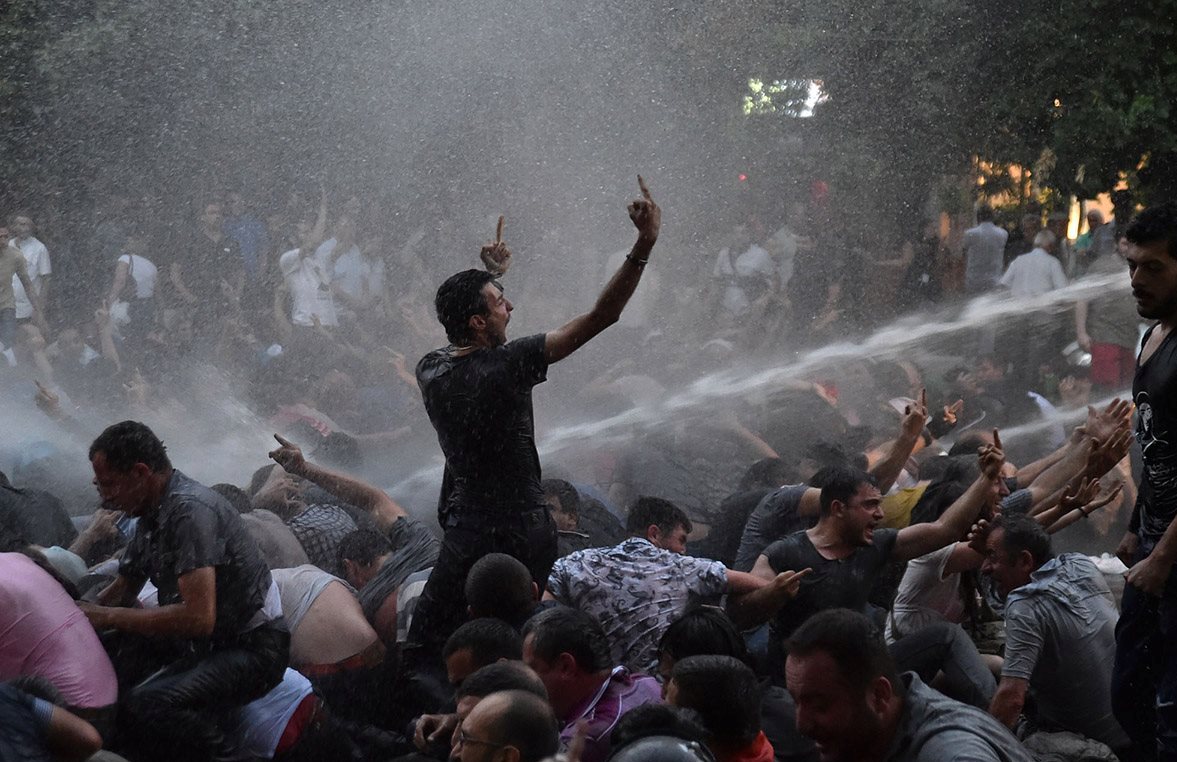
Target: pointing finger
column 957, row 406
column 644, row 188
column 924, row 398
column 283, row 442
column 997, row 440
column 499, row 230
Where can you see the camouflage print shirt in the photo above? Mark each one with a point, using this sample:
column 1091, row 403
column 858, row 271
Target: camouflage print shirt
column 635, row 590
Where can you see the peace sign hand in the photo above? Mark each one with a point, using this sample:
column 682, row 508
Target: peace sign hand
column 646, row 215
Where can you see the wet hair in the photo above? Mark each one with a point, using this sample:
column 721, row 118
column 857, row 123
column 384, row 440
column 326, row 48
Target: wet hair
column 827, row 455
column 502, row 676
column 654, row 510
column 564, row 493
column 968, row 444
column 702, row 630
column 129, row 442
column 487, row 640
column 766, row 473
column 649, row 720
column 852, row 641
column 841, row 484
column 363, row 546
column 459, row 299
column 566, row 630
column 984, row 213
column 1024, row 533
column 258, row 480
column 235, row 495
column 499, row 585
column 528, row 723
column 957, row 475
column 725, row 693
column 1153, row 225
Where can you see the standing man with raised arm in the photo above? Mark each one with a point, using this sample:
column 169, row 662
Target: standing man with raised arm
column 477, row 392
column 1144, row 681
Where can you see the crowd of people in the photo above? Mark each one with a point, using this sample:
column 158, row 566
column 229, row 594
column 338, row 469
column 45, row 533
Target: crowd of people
column 886, row 559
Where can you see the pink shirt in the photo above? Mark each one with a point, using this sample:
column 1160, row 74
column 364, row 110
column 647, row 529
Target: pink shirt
column 44, row 633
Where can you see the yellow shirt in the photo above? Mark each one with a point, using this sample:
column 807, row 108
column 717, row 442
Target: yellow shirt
column 897, row 506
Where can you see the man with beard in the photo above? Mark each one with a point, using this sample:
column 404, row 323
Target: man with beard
column 477, row 392
column 1144, row 682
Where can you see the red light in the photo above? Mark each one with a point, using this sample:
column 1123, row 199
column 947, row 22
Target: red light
column 742, row 177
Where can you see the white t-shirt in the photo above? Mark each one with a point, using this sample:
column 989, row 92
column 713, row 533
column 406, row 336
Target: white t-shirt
column 925, row 597
column 1034, row 274
column 261, row 723
column 143, row 274
column 309, row 281
column 755, row 263
column 37, row 262
column 359, row 276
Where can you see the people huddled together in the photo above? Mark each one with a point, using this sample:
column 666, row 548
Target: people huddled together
column 916, row 557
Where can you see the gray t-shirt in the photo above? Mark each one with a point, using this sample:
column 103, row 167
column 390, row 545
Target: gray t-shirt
column 1060, row 635
column 934, row 728
column 773, row 518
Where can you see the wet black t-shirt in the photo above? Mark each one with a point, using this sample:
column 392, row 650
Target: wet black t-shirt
column 833, row 584
column 480, row 405
column 774, row 517
column 195, row 527
column 1154, row 390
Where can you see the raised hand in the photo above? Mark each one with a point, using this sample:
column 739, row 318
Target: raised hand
column 1101, row 425
column 1080, row 495
column 646, row 215
column 992, row 458
column 939, row 426
column 980, row 533
column 915, row 417
column 289, row 456
column 48, row 401
column 495, row 255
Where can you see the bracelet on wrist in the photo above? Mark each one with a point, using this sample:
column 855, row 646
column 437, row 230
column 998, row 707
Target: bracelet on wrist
column 637, row 261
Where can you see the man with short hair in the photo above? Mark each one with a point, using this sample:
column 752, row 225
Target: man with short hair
column 478, row 643
column 209, row 274
column 983, row 247
column 1060, row 621
column 567, row 649
column 218, row 632
column 477, row 392
column 853, row 702
column 846, row 549
column 509, row 726
column 638, row 587
column 725, row 693
column 1144, row 683
column 500, row 586
column 1036, row 272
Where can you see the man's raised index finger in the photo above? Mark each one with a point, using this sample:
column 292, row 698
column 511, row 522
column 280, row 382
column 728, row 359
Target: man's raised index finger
column 997, row 440
column 499, row 230
column 644, row 188
column 283, row 442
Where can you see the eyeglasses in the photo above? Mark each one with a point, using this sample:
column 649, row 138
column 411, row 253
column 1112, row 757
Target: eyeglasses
column 465, row 740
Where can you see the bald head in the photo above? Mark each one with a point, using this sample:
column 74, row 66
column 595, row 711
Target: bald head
column 517, row 720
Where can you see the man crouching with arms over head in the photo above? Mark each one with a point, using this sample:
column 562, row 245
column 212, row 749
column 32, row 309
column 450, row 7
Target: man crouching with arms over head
column 217, row 640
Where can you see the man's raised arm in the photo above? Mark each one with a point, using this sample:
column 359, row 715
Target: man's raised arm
column 563, row 341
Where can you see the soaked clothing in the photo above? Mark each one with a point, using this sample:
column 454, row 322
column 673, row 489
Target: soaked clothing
column 1154, row 391
column 24, row 720
column 1059, row 633
column 413, row 548
column 319, row 529
column 773, row 518
column 192, row 528
column 833, row 584
column 933, row 728
column 635, row 590
column 480, row 405
column 620, row 693
column 41, row 517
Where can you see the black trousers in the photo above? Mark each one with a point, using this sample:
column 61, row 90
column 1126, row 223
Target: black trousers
column 174, row 713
